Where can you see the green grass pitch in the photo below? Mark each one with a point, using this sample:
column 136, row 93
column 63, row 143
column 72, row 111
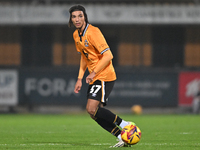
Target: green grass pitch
column 79, row 132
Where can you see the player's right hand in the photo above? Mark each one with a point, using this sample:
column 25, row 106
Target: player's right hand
column 78, row 86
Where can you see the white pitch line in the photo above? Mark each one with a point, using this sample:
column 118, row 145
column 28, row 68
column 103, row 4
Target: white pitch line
column 165, row 144
column 101, row 144
column 41, row 144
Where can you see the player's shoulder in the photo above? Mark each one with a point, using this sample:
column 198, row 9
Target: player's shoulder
column 75, row 34
column 93, row 30
column 93, row 27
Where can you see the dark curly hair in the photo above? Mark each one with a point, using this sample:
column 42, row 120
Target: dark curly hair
column 75, row 8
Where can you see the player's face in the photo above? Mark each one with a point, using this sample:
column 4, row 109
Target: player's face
column 78, row 19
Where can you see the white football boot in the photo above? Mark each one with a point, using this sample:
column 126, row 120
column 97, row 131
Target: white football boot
column 120, row 144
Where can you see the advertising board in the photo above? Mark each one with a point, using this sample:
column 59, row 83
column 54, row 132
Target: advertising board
column 146, row 89
column 57, row 88
column 189, row 86
column 8, row 87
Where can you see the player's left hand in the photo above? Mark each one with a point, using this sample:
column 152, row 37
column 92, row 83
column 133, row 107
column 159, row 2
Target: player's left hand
column 90, row 77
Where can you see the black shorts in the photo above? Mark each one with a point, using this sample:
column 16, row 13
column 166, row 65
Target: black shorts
column 100, row 90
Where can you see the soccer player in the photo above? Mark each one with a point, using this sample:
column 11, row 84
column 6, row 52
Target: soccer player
column 96, row 56
column 196, row 101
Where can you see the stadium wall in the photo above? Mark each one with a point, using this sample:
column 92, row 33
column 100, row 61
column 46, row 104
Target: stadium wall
column 32, row 87
column 55, row 87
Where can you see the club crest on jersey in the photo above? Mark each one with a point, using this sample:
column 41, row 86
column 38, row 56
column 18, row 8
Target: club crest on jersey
column 86, row 43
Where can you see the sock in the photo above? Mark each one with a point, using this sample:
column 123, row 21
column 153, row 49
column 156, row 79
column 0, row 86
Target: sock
column 123, row 124
column 108, row 116
column 119, row 137
column 110, row 127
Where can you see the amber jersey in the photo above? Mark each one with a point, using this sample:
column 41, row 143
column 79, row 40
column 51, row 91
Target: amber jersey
column 92, row 44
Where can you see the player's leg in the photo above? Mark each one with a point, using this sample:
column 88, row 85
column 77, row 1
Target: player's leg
column 195, row 105
column 98, row 94
column 106, row 116
column 110, row 117
column 101, row 112
column 114, row 130
column 91, row 108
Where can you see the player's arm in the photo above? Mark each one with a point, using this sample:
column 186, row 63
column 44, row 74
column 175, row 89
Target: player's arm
column 103, row 62
column 82, row 69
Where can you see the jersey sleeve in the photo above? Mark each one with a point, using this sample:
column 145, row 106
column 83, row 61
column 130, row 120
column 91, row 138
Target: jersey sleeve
column 98, row 41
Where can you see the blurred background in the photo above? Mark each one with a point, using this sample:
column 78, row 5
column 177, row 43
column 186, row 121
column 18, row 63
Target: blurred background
column 155, row 43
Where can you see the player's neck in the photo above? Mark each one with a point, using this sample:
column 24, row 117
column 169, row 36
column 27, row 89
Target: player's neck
column 82, row 28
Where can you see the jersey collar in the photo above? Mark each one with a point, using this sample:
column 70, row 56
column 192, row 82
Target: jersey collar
column 84, row 31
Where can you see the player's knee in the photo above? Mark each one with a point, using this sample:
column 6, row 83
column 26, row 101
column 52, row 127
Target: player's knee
column 92, row 117
column 91, row 110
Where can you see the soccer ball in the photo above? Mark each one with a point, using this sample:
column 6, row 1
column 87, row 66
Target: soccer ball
column 131, row 134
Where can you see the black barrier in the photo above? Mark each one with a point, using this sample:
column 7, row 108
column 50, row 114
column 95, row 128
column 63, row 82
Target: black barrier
column 146, row 89
column 49, row 87
column 55, row 87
